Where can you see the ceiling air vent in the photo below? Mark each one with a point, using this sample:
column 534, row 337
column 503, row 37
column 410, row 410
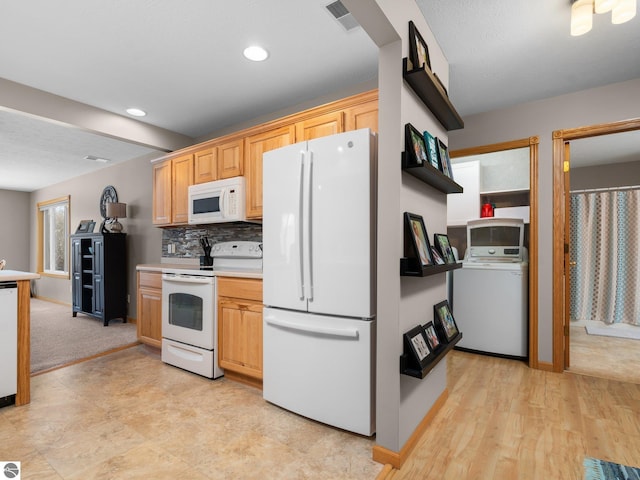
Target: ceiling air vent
column 342, row 15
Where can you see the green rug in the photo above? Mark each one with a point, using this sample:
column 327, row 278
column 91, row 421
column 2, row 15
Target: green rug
column 595, row 469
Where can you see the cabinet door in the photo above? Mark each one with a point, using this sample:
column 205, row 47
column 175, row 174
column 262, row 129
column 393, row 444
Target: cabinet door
column 320, row 126
column 182, row 178
column 255, row 146
column 98, row 276
column 230, row 159
column 76, row 253
column 362, row 116
column 205, row 165
column 462, row 207
column 149, row 321
column 240, row 330
column 162, row 193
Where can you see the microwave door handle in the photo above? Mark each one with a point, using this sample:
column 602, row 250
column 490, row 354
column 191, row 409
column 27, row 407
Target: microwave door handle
column 223, row 202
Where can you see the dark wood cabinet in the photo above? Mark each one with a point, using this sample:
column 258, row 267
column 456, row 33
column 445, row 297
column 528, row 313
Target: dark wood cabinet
column 99, row 282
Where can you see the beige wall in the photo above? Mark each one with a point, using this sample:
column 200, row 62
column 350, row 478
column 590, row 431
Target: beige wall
column 14, row 229
column 132, row 181
column 606, row 104
column 604, row 176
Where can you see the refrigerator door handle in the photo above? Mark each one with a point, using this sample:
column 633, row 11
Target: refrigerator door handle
column 334, row 332
column 301, row 227
column 309, row 245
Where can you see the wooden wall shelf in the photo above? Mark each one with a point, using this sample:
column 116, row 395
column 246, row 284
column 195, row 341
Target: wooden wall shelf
column 410, row 267
column 406, row 367
column 428, row 88
column 432, row 176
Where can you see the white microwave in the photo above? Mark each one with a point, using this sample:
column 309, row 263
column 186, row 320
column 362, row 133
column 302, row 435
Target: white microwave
column 217, row 201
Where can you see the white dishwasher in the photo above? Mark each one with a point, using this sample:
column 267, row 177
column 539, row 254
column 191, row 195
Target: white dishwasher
column 8, row 342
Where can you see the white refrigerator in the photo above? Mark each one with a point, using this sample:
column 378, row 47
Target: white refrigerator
column 319, row 218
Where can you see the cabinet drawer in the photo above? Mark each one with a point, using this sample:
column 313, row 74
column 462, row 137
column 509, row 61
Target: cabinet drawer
column 150, row 279
column 247, row 288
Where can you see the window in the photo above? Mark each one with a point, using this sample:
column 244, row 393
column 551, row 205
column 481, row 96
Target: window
column 53, row 237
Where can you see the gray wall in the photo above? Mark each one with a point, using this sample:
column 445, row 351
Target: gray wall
column 132, row 181
column 606, row 104
column 14, row 230
column 603, row 176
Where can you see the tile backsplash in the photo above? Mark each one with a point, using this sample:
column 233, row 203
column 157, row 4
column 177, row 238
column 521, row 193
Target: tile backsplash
column 187, row 239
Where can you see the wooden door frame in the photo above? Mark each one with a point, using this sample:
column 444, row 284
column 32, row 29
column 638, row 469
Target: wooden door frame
column 560, row 138
column 532, row 143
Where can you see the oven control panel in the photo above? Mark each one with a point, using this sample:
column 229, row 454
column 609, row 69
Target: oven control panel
column 241, row 249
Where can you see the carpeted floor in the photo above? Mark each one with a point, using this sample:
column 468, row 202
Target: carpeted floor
column 58, row 338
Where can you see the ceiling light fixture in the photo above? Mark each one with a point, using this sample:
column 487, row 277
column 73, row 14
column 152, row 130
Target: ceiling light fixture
column 255, row 53
column 582, row 13
column 136, row 112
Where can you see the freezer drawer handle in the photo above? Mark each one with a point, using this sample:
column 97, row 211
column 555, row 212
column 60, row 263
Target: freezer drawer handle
column 336, row 332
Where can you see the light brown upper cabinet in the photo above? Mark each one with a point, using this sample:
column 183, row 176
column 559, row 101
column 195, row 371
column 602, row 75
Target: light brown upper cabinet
column 364, row 115
column 205, row 165
column 320, row 126
column 162, row 193
column 255, row 146
column 231, row 158
column 182, row 178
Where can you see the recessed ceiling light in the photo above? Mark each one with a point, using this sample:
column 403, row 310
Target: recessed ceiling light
column 255, row 53
column 136, row 112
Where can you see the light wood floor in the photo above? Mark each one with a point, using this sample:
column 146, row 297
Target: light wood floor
column 606, row 357
column 503, row 420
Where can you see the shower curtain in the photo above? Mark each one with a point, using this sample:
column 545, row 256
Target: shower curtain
column 605, row 233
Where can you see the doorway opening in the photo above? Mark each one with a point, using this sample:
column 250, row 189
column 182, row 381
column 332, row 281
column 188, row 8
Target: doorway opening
column 562, row 261
column 532, row 144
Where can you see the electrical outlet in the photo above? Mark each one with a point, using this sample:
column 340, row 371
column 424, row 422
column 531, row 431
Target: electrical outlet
column 128, row 298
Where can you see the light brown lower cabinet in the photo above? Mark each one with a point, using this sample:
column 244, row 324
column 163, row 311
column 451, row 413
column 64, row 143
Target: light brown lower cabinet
column 149, row 308
column 240, row 329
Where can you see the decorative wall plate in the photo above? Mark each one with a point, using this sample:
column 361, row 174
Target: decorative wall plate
column 108, row 195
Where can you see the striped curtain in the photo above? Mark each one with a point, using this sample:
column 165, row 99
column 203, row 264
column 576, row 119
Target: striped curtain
column 605, row 232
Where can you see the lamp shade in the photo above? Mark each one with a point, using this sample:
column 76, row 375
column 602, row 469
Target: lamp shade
column 604, row 6
column 581, row 17
column 116, row 210
column 623, row 11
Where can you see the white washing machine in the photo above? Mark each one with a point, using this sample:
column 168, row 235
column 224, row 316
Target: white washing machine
column 490, row 292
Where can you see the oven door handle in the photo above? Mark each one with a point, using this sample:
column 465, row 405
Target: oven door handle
column 168, row 277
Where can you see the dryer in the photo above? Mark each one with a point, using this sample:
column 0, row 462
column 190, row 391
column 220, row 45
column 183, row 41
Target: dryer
column 490, row 291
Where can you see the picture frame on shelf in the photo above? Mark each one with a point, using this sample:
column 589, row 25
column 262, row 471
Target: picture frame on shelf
column 432, row 150
column 415, row 229
column 416, row 341
column 85, row 226
column 418, row 50
column 416, row 150
column 445, row 161
column 437, row 258
column 442, row 244
column 444, row 321
column 432, row 336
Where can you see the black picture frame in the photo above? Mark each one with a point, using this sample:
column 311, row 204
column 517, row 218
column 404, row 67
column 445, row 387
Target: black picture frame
column 432, row 150
column 442, row 244
column 415, row 229
column 431, row 333
column 437, row 258
column 418, row 49
column 85, row 226
column 443, row 157
column 416, row 343
column 444, row 321
column 415, row 148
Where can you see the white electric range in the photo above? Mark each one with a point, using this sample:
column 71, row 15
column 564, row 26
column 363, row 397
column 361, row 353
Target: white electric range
column 189, row 305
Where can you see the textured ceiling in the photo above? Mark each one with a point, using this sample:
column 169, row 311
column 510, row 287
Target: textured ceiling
column 181, row 61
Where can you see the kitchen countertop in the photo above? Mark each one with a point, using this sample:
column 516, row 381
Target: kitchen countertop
column 189, row 268
column 15, row 275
